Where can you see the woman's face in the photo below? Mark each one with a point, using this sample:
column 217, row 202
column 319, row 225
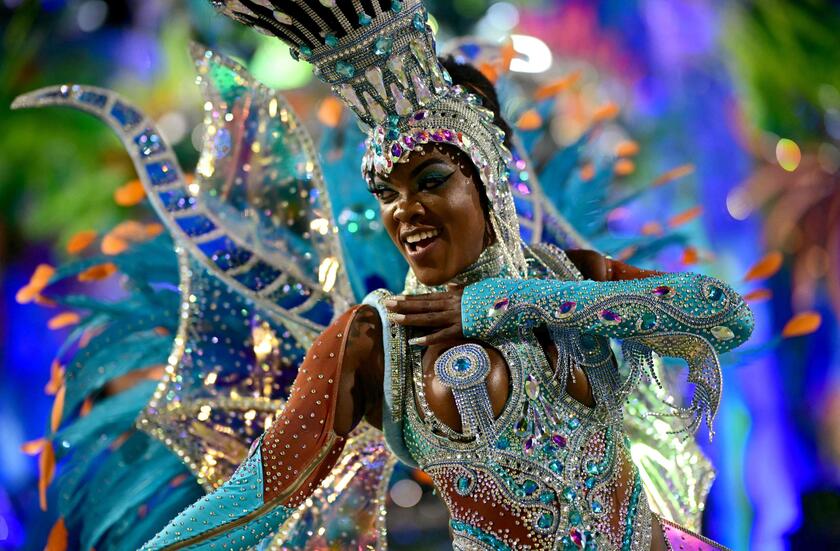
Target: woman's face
column 432, row 210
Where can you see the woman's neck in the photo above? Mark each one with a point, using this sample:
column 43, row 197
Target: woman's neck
column 490, row 263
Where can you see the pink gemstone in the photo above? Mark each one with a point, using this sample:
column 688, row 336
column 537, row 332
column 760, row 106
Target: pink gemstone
column 576, row 536
column 610, row 318
column 501, row 304
column 529, row 444
column 663, row 291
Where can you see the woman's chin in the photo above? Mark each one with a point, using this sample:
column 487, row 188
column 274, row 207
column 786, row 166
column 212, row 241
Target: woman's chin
column 431, row 277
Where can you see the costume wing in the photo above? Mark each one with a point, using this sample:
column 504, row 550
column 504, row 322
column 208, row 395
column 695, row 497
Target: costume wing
column 260, row 275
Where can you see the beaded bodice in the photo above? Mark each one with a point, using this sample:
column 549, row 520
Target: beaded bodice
column 548, row 472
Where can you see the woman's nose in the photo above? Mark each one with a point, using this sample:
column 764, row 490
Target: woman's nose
column 408, row 208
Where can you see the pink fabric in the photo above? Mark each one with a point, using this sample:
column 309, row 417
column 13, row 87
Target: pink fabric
column 683, row 540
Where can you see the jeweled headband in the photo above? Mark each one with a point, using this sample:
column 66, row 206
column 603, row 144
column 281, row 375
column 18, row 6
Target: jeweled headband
column 379, row 58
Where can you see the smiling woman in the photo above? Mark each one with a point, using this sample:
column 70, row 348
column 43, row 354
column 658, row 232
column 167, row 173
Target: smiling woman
column 493, row 370
column 431, row 207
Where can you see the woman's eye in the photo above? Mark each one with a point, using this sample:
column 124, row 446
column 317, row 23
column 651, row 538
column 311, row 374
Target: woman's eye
column 384, row 194
column 433, row 180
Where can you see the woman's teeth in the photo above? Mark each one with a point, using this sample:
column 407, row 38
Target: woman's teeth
column 417, row 237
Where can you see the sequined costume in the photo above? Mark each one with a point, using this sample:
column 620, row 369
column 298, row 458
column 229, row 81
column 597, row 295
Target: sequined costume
column 548, row 472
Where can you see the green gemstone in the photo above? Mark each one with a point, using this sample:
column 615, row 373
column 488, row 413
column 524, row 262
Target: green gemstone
column 573, row 423
column 592, row 468
column 556, row 466
column 503, row 443
column 569, row 493
column 648, row 321
column 715, row 294
column 575, row 518
column 419, row 22
column 396, row 6
column 545, row 521
column 364, row 19
column 547, row 497
column 331, row 40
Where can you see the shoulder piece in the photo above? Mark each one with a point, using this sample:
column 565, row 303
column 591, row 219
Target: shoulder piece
column 547, row 261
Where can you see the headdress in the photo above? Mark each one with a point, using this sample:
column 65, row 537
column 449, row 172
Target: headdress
column 379, row 58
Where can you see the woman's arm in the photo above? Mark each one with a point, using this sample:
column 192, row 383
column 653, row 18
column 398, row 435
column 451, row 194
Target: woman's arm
column 335, row 388
column 597, row 267
column 663, row 304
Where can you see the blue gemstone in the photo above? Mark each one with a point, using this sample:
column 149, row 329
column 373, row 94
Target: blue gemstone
column 573, row 423
column 592, row 467
column 569, row 493
column 364, row 19
column 419, row 22
column 648, row 321
column 331, row 40
column 125, row 115
column 715, row 293
column 547, row 497
column 529, row 487
column 396, row 6
column 392, row 134
column 345, row 69
column 161, row 173
column 503, row 443
column 556, row 466
column 590, row 482
column 463, row 485
column 305, row 50
column 597, row 508
column 462, row 364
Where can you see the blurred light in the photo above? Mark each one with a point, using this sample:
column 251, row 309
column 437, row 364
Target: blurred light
column 829, row 96
column 273, row 66
column 433, row 23
column 91, row 15
column 738, row 204
column 173, row 127
column 503, row 16
column 327, row 273
column 832, row 122
column 406, row 493
column 829, row 158
column 537, row 54
column 788, row 154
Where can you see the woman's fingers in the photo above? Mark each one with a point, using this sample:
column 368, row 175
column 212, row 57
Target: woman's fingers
column 419, row 307
column 427, row 319
column 449, row 334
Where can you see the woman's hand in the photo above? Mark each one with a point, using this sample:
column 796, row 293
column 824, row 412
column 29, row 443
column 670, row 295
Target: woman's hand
column 434, row 310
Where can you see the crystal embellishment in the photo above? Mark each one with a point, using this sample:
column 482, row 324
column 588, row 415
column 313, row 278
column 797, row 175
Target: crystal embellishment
column 722, row 333
column 566, row 309
column 383, row 45
column 532, row 389
column 345, row 69
column 401, row 104
column 374, row 76
column 608, row 317
column 396, row 66
column 664, row 291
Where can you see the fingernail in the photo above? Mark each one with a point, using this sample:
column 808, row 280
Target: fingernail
column 417, row 341
column 398, row 297
column 390, row 303
column 396, row 317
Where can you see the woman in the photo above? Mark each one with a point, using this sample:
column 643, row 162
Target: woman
column 492, row 371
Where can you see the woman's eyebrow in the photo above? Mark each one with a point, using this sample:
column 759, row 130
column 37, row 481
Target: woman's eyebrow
column 428, row 162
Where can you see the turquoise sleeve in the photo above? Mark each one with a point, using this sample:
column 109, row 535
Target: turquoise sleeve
column 669, row 304
column 232, row 517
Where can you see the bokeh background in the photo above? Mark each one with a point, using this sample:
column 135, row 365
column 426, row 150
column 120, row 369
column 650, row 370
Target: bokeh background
column 746, row 93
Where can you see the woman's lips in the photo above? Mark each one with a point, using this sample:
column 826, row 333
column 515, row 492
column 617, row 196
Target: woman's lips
column 419, row 250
